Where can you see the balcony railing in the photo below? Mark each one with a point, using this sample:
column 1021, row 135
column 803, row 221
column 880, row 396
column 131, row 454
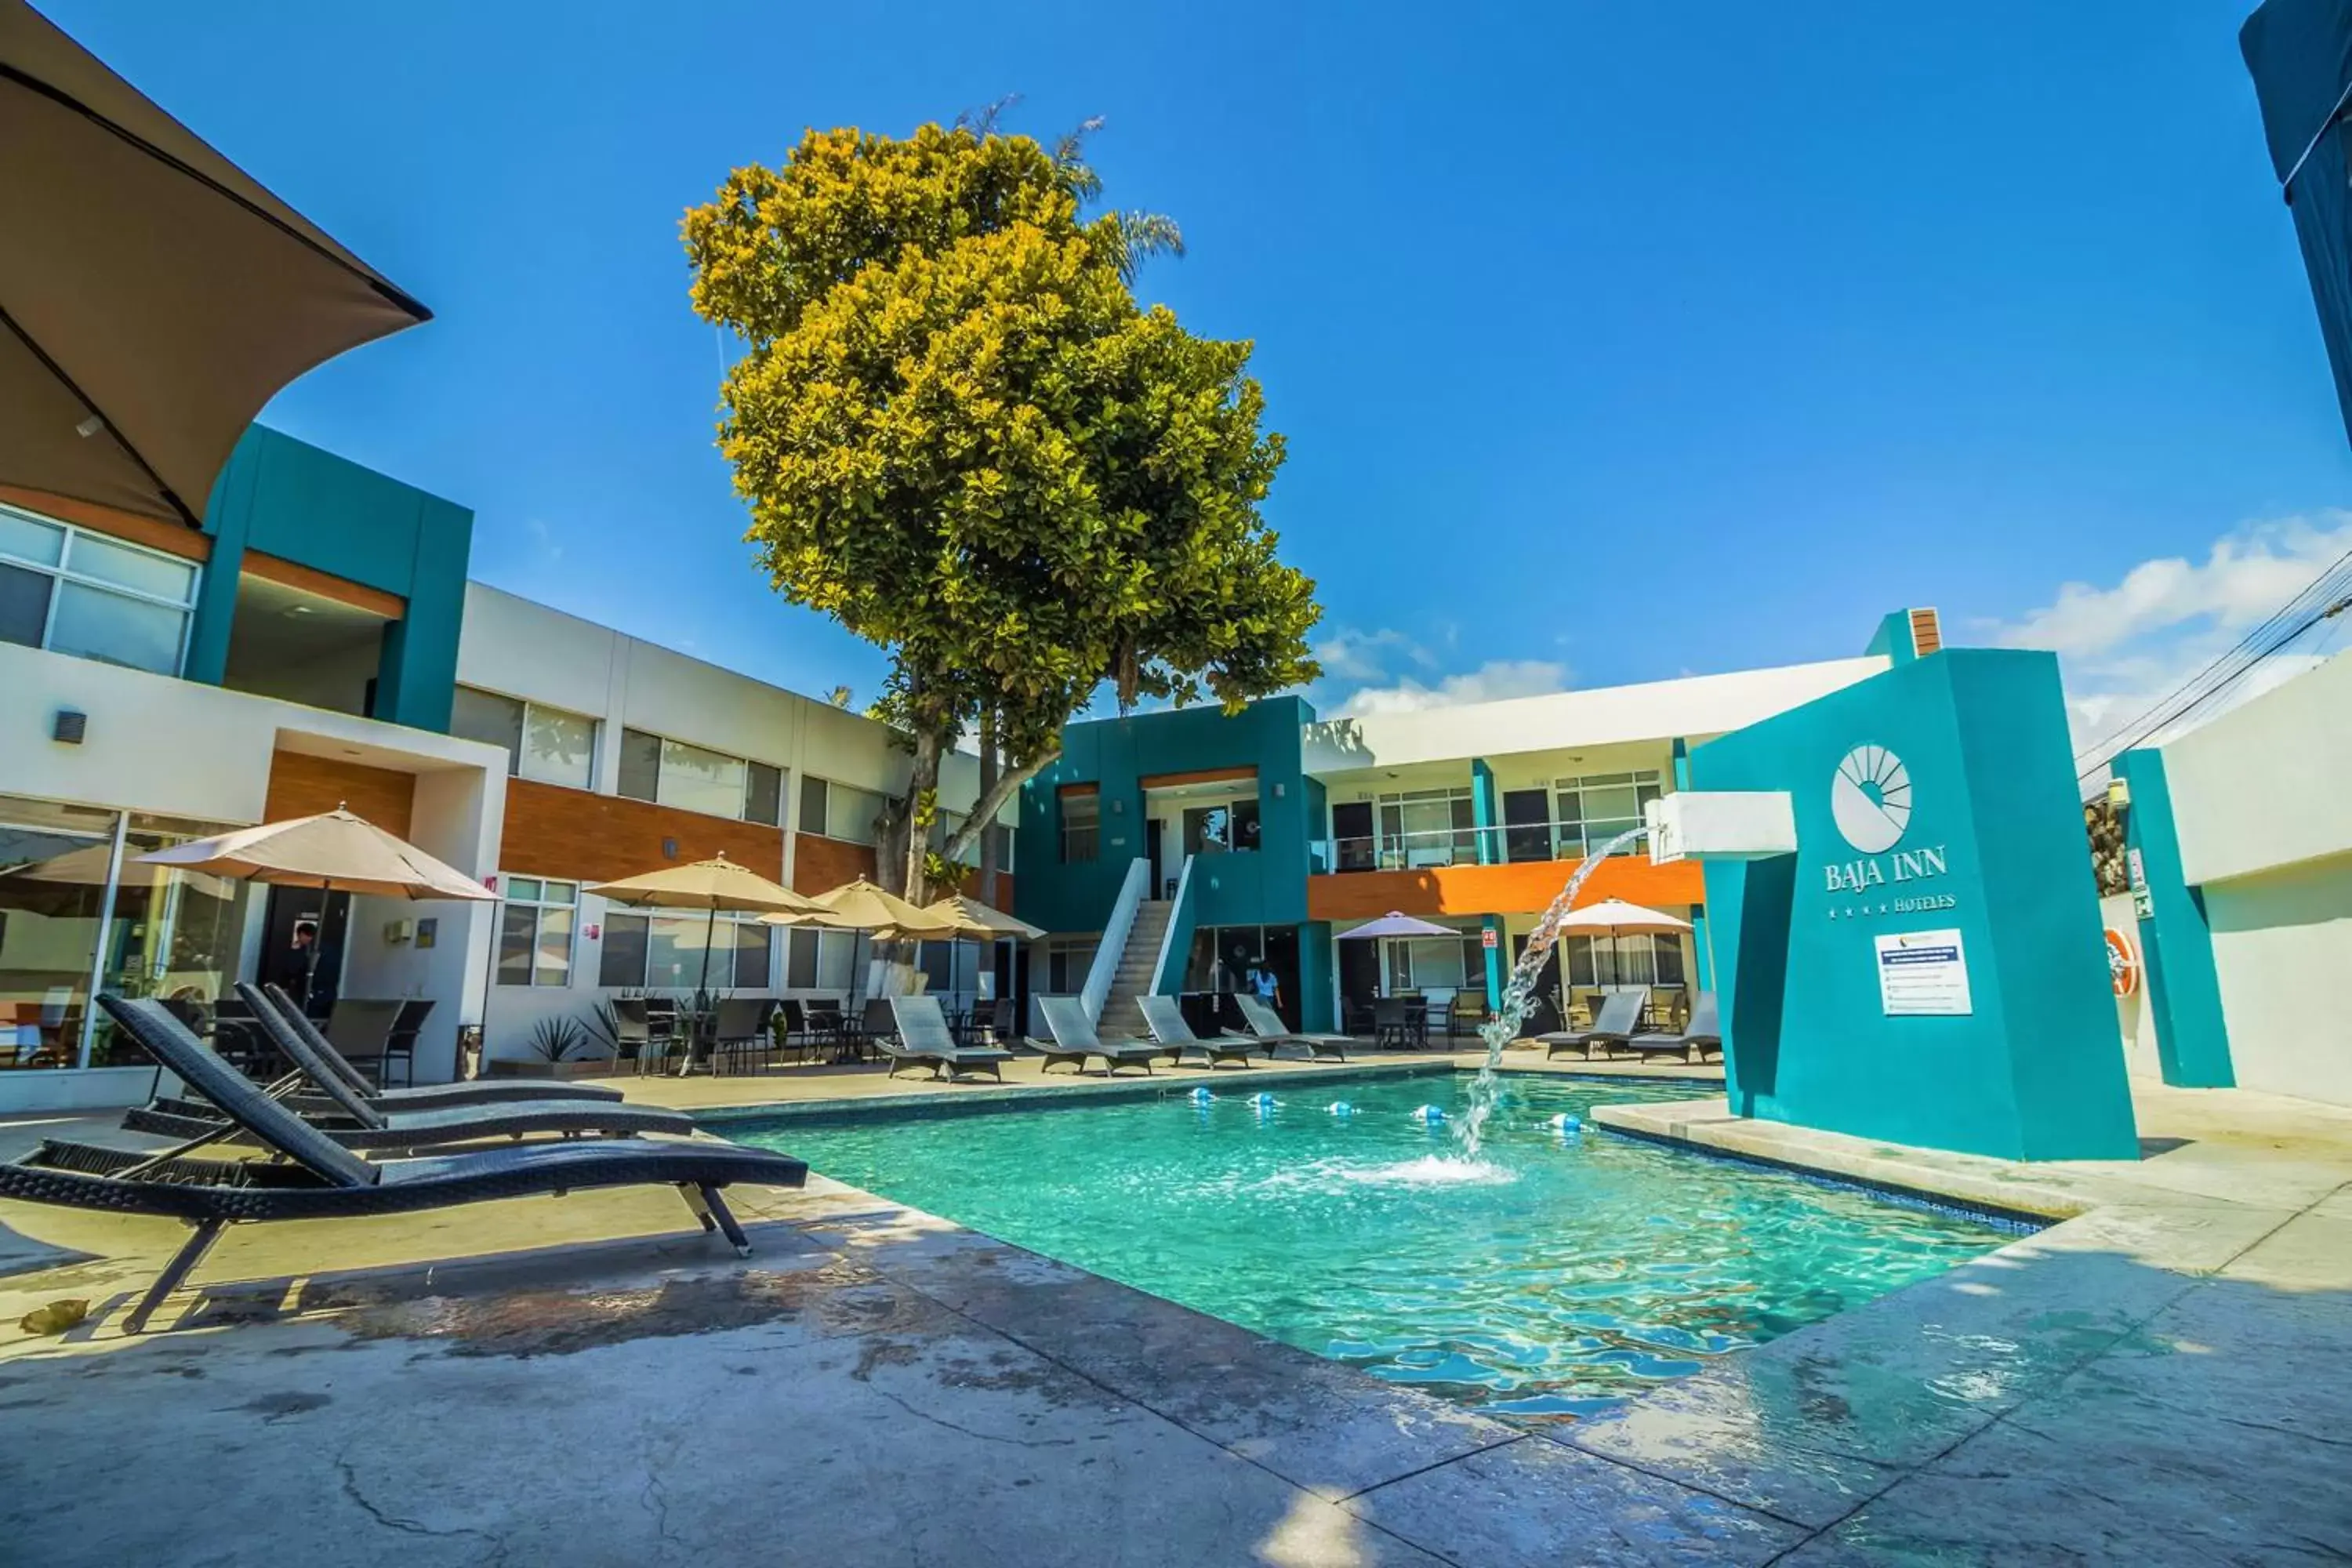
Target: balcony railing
column 1508, row 844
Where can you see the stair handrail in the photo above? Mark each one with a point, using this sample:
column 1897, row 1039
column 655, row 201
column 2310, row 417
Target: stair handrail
column 1121, row 925
column 1178, row 910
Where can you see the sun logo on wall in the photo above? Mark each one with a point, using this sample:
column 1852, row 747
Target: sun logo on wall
column 1870, row 799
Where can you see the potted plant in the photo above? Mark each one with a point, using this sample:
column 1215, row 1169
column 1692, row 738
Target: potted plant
column 560, row 1048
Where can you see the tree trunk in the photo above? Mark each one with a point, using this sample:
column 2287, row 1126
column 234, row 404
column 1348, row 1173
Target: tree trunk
column 988, row 769
column 923, row 804
column 992, row 801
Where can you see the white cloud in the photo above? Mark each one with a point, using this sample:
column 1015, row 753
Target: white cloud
column 544, row 537
column 1490, row 683
column 2124, row 648
column 1351, row 655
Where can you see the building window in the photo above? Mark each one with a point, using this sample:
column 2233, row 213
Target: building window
column 1426, row 827
column 1220, row 829
column 1636, row 959
column 1067, row 959
column 1597, row 807
column 693, row 778
column 1081, row 824
column 821, row 960
column 549, row 745
column 1434, row 964
column 171, row 934
column 537, row 920
column 763, row 795
column 83, row 593
column 667, row 952
column 841, row 811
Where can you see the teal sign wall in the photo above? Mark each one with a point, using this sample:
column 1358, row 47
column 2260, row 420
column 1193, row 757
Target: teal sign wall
column 1263, row 886
column 2184, row 985
column 290, row 500
column 1939, row 841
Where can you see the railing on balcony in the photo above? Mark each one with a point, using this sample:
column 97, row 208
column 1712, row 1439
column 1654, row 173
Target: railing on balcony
column 1507, row 844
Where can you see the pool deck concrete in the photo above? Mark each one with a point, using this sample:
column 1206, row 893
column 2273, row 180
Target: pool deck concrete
column 2160, row 1378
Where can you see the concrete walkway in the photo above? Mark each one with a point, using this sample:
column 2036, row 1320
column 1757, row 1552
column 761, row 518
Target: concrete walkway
column 2160, row 1379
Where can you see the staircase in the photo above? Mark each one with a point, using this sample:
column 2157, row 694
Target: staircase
column 1120, row 1015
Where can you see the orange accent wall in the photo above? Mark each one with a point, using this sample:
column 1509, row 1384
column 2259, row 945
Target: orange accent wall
column 574, row 833
column 326, row 585
column 821, row 864
column 304, row 785
column 1522, row 888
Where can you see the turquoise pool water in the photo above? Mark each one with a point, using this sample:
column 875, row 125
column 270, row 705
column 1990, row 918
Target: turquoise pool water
column 1560, row 1274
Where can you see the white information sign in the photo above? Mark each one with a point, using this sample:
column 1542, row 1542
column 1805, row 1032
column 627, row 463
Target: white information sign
column 1923, row 974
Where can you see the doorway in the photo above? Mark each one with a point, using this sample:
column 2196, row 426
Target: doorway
column 1159, row 888
column 1359, row 978
column 298, row 919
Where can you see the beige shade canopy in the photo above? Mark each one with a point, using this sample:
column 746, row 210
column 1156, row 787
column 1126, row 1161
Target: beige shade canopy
column 1617, row 915
column 152, row 295
column 862, row 905
column 333, row 849
column 977, row 921
column 715, row 884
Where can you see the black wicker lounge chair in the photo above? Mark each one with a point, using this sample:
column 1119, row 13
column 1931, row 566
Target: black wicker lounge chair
column 1266, row 1025
column 1165, row 1018
column 323, row 1180
column 357, row 1123
column 1620, row 1011
column 1703, row 1033
column 923, row 1036
column 431, row 1096
column 1074, row 1040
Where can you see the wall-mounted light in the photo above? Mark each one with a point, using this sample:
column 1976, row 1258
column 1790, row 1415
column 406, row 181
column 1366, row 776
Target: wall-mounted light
column 69, row 727
column 669, row 848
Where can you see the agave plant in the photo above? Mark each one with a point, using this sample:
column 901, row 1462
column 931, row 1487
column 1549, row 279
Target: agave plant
column 557, row 1039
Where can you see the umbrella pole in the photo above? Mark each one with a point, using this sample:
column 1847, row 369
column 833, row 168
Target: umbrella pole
column 701, row 987
column 318, row 935
column 489, row 988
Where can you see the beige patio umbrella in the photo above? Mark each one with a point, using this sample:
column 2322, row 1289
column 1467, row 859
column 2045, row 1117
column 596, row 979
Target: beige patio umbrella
column 713, row 885
column 862, row 905
column 979, row 920
column 334, row 851
column 982, row 924
column 1616, row 917
column 152, row 295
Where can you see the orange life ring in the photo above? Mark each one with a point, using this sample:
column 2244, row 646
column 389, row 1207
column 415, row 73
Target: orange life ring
column 2123, row 962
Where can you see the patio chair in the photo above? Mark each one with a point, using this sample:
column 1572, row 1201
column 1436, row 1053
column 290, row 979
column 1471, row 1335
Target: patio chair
column 1165, row 1018
column 739, row 1030
column 825, row 1025
column 320, row 1179
column 1074, row 1040
column 429, row 1097
column 921, row 1035
column 401, row 1045
column 1703, row 1033
column 361, row 1032
column 356, row 1124
column 1392, row 1024
column 1612, row 1027
column 1266, row 1023
column 1469, row 1015
column 639, row 1035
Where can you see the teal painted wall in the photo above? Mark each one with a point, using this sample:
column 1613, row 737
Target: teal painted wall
column 288, row 498
column 2184, row 988
column 1317, row 1009
column 2036, row 1069
column 1486, row 812
column 1893, row 639
column 1263, row 887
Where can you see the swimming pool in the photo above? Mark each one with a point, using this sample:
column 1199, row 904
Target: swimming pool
column 1560, row 1274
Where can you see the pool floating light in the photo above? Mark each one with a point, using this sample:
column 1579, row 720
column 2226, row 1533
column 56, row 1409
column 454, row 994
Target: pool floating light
column 1202, row 1096
column 1429, row 1115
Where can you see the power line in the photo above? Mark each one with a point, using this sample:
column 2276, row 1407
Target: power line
column 2327, row 596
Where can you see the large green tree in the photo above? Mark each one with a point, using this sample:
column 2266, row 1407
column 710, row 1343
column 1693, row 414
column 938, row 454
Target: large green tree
column 960, row 435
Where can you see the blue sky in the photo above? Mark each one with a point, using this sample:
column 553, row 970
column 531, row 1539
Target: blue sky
column 1612, row 341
